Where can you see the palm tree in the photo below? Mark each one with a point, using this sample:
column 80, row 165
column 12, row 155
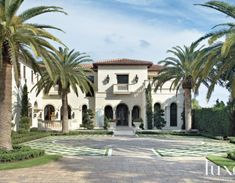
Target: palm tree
column 179, row 69
column 228, row 29
column 18, row 39
column 68, row 73
column 224, row 59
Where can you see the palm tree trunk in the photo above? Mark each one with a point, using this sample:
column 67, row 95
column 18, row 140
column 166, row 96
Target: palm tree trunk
column 65, row 120
column 5, row 106
column 188, row 109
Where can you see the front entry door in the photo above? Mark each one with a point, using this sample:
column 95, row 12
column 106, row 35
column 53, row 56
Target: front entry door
column 122, row 115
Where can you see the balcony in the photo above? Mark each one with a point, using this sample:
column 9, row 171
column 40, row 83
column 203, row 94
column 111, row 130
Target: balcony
column 54, row 90
column 121, row 89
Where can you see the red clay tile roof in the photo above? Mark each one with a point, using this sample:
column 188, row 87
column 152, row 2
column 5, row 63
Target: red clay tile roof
column 87, row 66
column 155, row 67
column 123, row 61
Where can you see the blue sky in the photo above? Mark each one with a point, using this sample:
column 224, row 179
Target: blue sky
column 140, row 29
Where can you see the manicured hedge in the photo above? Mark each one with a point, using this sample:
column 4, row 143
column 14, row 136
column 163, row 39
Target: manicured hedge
column 18, row 138
column 212, row 121
column 85, row 132
column 20, row 153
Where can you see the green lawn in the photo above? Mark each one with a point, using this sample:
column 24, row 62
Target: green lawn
column 222, row 161
column 29, row 163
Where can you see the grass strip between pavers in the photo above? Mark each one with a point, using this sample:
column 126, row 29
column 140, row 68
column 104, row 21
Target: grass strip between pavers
column 30, row 162
column 195, row 151
column 61, row 149
column 222, row 161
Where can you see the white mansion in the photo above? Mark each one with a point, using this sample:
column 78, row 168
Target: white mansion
column 119, row 93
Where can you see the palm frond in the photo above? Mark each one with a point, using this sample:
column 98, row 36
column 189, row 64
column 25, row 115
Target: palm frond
column 33, row 12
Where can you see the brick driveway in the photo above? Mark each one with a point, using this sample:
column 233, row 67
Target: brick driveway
column 132, row 160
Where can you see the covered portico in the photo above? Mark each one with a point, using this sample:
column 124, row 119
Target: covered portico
column 122, row 114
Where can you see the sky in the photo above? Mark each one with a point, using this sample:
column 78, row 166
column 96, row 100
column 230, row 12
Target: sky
column 138, row 29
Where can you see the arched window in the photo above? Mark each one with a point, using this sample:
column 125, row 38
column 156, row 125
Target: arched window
column 157, row 107
column 84, row 109
column 108, row 112
column 135, row 113
column 173, row 114
column 49, row 112
column 69, row 113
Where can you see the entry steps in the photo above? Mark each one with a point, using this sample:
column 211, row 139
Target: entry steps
column 124, row 131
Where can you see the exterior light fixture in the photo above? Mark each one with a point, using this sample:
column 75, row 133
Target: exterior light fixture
column 107, row 79
column 136, row 79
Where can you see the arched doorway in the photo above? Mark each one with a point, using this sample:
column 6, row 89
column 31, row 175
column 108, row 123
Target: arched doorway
column 135, row 113
column 49, row 112
column 122, row 115
column 108, row 112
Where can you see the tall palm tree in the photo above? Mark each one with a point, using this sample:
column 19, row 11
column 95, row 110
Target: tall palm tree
column 179, row 70
column 224, row 60
column 68, row 73
column 18, row 40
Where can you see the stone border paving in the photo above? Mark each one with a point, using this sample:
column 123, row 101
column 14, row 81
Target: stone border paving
column 203, row 150
column 51, row 147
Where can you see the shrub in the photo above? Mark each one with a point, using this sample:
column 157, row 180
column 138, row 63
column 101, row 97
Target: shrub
column 20, row 153
column 142, row 126
column 24, row 102
column 34, row 130
column 87, row 121
column 138, row 120
column 214, row 121
column 149, row 110
column 24, row 124
column 84, row 132
column 159, row 121
column 106, row 123
column 18, row 138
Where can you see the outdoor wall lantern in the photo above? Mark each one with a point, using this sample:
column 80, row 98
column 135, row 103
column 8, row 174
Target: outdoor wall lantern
column 73, row 115
column 136, row 79
column 107, row 79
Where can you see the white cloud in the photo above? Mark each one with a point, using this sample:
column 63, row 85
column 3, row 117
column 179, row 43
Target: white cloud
column 106, row 34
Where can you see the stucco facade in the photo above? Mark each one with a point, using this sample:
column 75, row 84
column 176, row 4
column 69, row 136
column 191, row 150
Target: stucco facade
column 119, row 84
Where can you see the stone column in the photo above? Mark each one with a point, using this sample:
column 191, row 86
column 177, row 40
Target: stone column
column 130, row 118
column 114, row 113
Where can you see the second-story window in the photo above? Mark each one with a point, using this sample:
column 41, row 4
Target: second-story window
column 123, row 79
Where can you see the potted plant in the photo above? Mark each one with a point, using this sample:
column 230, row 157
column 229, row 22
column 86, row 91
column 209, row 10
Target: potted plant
column 137, row 122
